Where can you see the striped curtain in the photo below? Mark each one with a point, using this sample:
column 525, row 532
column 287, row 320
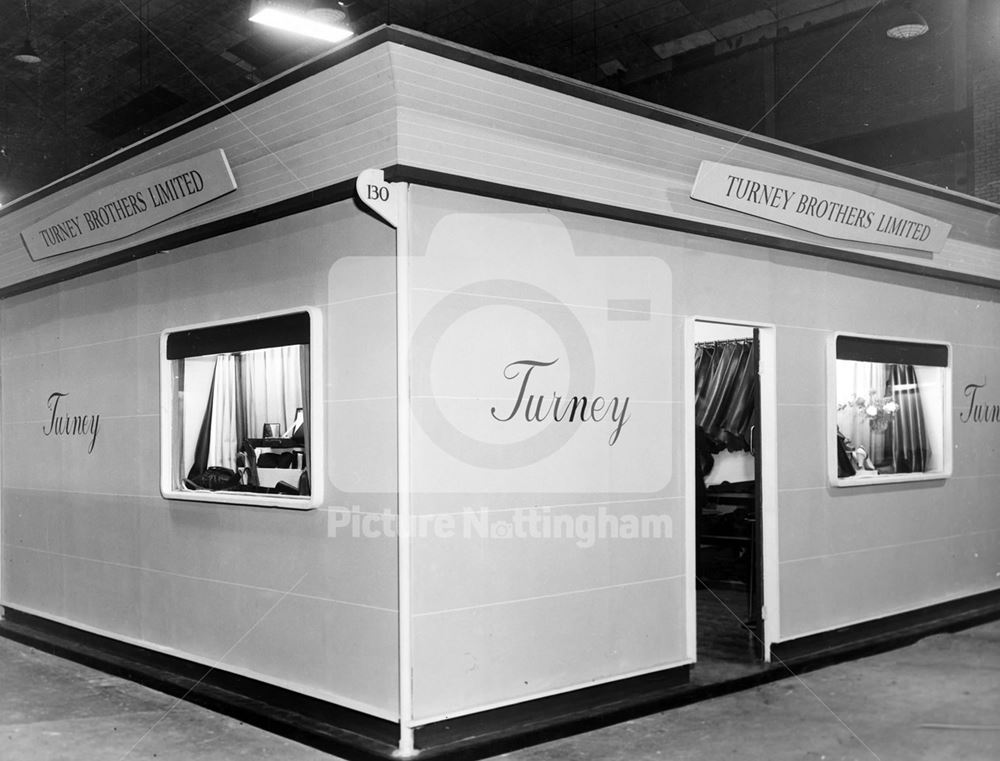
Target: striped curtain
column 271, row 382
column 725, row 386
column 224, row 424
column 910, row 448
column 227, row 414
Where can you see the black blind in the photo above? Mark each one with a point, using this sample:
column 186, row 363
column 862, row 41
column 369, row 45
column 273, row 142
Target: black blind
column 891, row 352
column 283, row 330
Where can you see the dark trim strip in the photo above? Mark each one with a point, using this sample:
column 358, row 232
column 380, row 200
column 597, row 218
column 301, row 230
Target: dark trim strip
column 244, row 335
column 885, row 351
column 609, row 702
column 508, row 68
column 444, row 181
column 305, row 719
column 341, row 191
column 889, row 632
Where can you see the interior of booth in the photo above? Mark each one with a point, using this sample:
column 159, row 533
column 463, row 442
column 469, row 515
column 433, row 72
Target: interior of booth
column 890, row 408
column 241, row 418
column 725, row 488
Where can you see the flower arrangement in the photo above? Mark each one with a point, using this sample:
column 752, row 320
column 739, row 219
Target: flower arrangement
column 878, row 410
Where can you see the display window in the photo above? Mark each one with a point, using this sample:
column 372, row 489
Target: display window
column 890, row 409
column 239, row 420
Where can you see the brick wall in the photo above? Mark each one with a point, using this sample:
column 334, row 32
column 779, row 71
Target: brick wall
column 849, row 78
column 984, row 64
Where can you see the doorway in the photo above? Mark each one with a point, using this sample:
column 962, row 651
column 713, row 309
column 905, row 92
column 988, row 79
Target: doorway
column 729, row 388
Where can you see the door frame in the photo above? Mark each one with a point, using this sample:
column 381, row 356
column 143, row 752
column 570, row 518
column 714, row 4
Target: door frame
column 769, row 478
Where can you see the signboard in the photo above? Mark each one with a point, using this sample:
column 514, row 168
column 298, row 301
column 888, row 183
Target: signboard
column 380, row 196
column 131, row 205
column 823, row 209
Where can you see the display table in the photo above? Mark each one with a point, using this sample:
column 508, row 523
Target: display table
column 279, row 460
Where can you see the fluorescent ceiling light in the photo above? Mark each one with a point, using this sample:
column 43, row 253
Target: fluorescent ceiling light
column 290, row 21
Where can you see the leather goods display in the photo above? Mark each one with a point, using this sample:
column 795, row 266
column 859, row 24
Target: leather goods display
column 214, row 478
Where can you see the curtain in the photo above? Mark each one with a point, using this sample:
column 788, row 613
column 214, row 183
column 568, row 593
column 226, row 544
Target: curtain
column 248, row 390
column 223, row 436
column 910, row 448
column 272, row 386
column 201, row 445
column 303, row 432
column 725, row 392
column 221, row 427
column 863, row 378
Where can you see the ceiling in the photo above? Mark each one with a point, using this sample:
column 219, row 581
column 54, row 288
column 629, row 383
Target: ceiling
column 114, row 71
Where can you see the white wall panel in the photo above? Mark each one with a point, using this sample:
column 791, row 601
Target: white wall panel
column 835, row 590
column 501, row 568
column 87, row 539
column 554, row 642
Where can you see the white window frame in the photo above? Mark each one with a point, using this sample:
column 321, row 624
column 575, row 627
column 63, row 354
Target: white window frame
column 831, row 429
column 316, row 428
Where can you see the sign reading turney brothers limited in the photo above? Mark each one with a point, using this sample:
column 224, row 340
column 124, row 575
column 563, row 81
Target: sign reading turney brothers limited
column 824, row 209
column 125, row 208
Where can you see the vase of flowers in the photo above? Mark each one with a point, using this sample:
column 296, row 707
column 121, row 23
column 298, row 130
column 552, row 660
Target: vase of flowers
column 877, row 409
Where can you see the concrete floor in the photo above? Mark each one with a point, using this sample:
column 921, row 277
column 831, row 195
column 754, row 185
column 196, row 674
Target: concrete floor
column 937, row 700
column 895, row 705
column 52, row 709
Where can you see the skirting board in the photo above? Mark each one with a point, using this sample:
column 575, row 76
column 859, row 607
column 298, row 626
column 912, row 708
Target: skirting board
column 504, row 729
column 881, row 634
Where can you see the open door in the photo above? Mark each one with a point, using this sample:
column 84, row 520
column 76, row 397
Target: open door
column 728, row 493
